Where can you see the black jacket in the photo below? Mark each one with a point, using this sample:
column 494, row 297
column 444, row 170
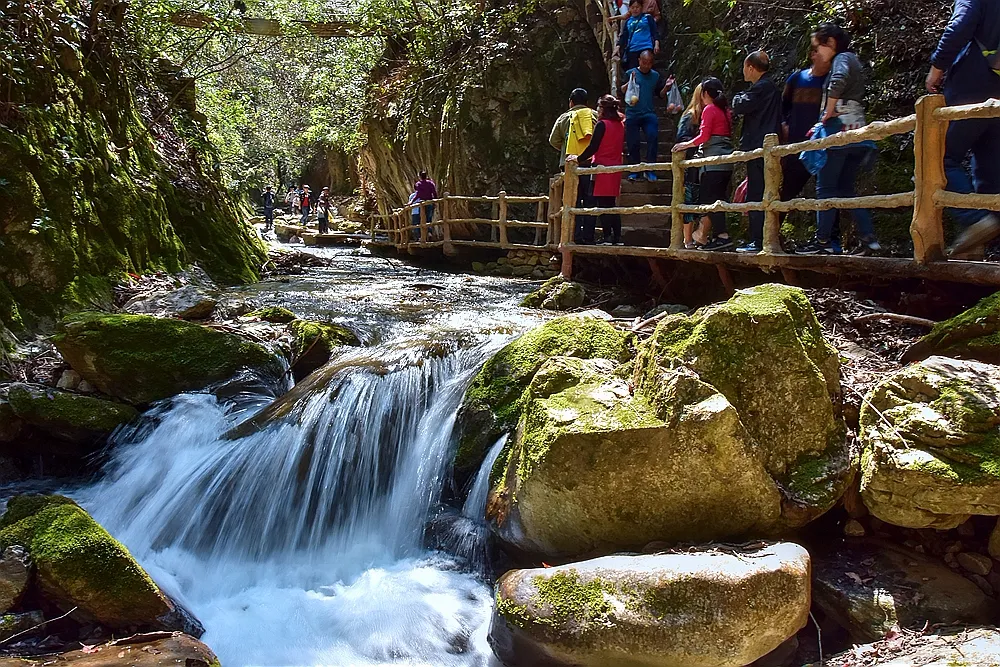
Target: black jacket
column 760, row 107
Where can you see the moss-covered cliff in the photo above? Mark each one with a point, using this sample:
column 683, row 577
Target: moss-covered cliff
column 101, row 170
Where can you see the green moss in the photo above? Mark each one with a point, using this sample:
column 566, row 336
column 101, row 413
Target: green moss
column 140, row 359
column 63, row 409
column 563, row 596
column 320, row 337
column 274, row 314
column 79, row 563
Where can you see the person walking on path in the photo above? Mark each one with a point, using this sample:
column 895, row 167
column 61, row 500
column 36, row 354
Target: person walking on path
column 651, row 7
column 801, row 102
column 969, row 54
column 760, row 107
column 715, row 137
column 268, row 197
column 638, row 34
column 289, row 200
column 425, row 189
column 577, row 116
column 640, row 117
column 842, row 109
column 606, row 150
column 687, row 129
column 305, row 204
column 323, row 211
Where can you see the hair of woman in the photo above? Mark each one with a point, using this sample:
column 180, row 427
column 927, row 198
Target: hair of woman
column 423, row 176
column 695, row 107
column 827, row 31
column 609, row 106
column 713, row 88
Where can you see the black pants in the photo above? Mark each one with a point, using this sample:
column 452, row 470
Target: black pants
column 323, row 228
column 268, row 217
column 714, row 186
column 611, row 222
column 794, row 178
column 755, row 192
column 584, row 232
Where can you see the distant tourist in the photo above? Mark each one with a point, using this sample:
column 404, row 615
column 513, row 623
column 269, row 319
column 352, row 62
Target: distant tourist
column 638, row 34
column 687, row 129
column 640, row 115
column 715, row 137
column 651, row 7
column 606, row 150
column 289, row 199
column 424, row 190
column 305, row 203
column 760, row 107
column 578, row 121
column 323, row 210
column 268, row 198
column 843, row 109
column 969, row 54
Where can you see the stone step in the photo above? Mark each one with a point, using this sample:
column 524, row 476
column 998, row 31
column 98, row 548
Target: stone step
column 645, row 187
column 640, row 199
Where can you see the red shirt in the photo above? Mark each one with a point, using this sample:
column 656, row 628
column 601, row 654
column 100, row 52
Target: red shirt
column 714, row 122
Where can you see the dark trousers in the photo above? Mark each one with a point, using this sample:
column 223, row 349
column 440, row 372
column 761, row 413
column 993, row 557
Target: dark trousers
column 647, row 124
column 755, row 192
column 713, row 187
column 611, row 223
column 323, row 226
column 794, row 178
column 585, row 224
column 981, row 138
column 268, row 217
column 836, row 179
column 415, row 217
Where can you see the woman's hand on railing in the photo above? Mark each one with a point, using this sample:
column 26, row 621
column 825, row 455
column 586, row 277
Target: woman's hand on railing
column 682, row 146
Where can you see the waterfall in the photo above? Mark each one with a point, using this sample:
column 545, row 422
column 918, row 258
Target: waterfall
column 299, row 540
column 475, row 502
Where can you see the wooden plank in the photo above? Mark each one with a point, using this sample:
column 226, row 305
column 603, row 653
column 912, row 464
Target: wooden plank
column 773, row 176
column 732, row 158
column 901, row 200
column 975, row 200
column 502, row 219
column 623, row 168
column 988, row 109
column 873, row 131
column 677, row 198
column 495, row 245
column 927, row 226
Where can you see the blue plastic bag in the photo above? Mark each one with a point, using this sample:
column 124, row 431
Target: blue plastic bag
column 815, row 160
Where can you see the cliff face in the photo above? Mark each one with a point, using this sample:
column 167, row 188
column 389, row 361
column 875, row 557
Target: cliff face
column 87, row 192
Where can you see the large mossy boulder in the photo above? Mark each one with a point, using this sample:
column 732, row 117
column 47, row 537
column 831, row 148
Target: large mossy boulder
column 79, row 565
column 189, row 302
column 556, row 293
column 314, row 342
column 723, row 427
column 711, row 608
column 930, row 437
column 139, row 359
column 491, row 406
column 973, row 334
column 143, row 650
column 75, row 418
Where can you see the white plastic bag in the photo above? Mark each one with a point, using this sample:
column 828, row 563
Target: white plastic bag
column 632, row 91
column 675, row 103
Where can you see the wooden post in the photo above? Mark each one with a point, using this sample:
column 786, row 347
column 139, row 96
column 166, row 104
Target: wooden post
column 539, row 217
column 772, row 193
column 423, row 224
column 448, row 248
column 502, row 217
column 926, row 229
column 494, row 215
column 571, row 184
column 676, row 199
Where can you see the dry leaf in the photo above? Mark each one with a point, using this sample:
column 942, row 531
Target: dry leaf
column 87, row 648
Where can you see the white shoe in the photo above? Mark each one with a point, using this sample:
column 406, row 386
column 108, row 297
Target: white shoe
column 977, row 235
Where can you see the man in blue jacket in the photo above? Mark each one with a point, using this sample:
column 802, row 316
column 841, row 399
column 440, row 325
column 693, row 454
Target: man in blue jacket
column 968, row 54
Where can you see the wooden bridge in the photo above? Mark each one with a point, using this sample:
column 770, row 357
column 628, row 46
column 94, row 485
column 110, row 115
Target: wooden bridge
column 556, row 213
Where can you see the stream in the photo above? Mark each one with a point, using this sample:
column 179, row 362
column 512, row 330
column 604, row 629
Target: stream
column 302, row 542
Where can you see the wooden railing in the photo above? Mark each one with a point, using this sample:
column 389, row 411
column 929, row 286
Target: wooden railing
column 928, row 199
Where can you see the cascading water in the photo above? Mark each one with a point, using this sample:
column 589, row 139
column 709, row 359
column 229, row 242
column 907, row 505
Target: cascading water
column 298, row 540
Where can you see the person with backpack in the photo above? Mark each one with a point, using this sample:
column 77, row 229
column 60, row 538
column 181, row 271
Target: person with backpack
column 268, row 199
column 638, row 34
column 760, row 107
column 640, row 115
column 305, row 202
column 323, row 211
column 842, row 109
column 968, row 53
column 605, row 149
column 715, row 137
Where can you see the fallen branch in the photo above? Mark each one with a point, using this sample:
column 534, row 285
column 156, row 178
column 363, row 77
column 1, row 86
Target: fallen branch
column 35, row 627
column 896, row 317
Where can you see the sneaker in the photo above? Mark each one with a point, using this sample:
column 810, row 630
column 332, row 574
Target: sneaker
column 751, row 248
column 718, row 243
column 633, row 178
column 617, row 243
column 978, row 234
column 651, row 177
column 691, row 246
column 815, row 247
column 870, row 243
column 836, row 247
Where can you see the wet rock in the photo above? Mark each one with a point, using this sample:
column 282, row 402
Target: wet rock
column 625, row 311
column 139, row 359
column 188, row 303
column 928, row 437
column 556, row 294
column 16, row 624
column 314, row 342
column 491, row 404
column 983, row 583
column 15, row 573
column 853, row 528
column 69, row 380
column 669, row 308
column 783, row 656
column 523, row 270
column 698, row 609
column 274, row 315
column 969, row 335
column 975, row 563
column 155, row 649
column 871, row 587
column 74, row 418
column 955, row 647
column 79, row 565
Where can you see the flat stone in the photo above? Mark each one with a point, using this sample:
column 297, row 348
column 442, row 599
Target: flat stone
column 154, row 649
column 975, row 563
column 69, row 380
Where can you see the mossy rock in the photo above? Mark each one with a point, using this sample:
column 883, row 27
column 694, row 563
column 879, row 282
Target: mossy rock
column 930, row 437
column 314, row 342
column 139, row 359
column 556, row 293
column 973, row 334
column 72, row 417
column 274, row 315
column 170, row 650
column 712, row 608
column 491, row 406
column 78, row 564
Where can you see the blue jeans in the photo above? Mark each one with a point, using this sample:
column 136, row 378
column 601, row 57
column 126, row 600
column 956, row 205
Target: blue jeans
column 305, row 215
column 415, row 233
column 836, row 179
column 981, row 137
column 649, row 125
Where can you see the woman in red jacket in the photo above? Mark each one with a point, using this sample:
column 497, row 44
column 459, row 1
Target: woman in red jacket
column 606, row 150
